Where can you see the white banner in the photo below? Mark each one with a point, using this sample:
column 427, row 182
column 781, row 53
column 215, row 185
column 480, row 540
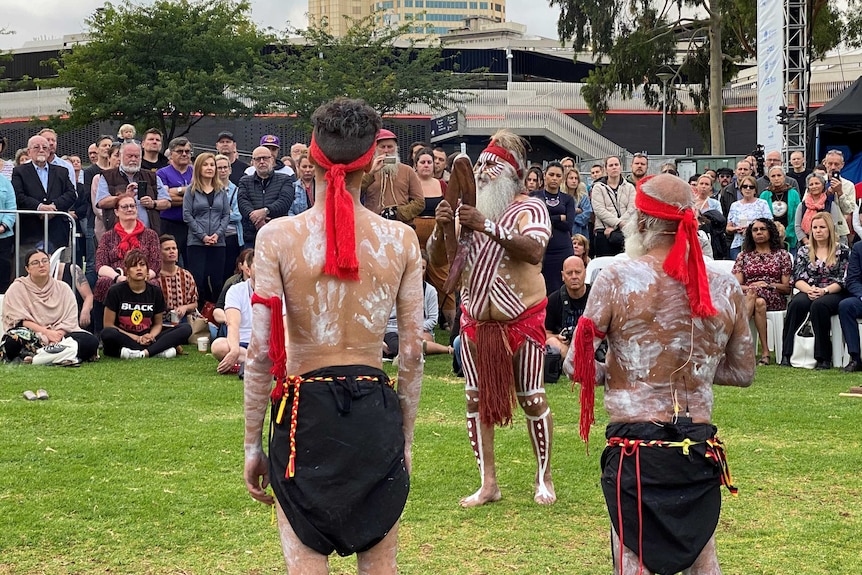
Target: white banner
column 770, row 73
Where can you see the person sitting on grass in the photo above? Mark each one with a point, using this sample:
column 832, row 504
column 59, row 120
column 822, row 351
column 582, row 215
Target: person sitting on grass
column 45, row 306
column 134, row 310
column 230, row 350
column 178, row 285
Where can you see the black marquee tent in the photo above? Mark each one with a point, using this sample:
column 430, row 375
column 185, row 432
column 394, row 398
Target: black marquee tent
column 838, row 123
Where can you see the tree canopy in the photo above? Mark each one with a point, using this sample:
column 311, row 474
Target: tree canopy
column 167, row 64
column 636, row 40
column 364, row 63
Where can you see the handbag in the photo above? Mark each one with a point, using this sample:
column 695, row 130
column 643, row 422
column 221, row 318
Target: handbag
column 803, row 346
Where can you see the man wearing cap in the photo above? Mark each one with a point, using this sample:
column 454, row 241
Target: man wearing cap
column 674, row 330
column 274, row 145
column 503, row 310
column 724, row 177
column 340, row 437
column 263, row 195
column 226, row 145
column 392, row 189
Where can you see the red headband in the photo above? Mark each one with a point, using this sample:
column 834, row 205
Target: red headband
column 692, row 274
column 504, row 155
column 341, row 260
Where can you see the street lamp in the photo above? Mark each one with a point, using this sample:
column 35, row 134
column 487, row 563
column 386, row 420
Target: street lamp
column 665, row 78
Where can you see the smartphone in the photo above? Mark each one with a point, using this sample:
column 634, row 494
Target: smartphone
column 142, row 189
column 391, row 160
column 836, row 174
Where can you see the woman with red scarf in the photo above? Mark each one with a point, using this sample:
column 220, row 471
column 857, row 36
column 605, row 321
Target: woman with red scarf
column 127, row 234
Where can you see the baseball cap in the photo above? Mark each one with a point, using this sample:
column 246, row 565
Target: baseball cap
column 385, row 134
column 226, row 135
column 270, row 140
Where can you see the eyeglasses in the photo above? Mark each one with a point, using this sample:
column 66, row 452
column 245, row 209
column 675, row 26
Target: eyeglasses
column 835, row 153
column 128, row 208
column 38, row 147
column 183, row 152
column 261, row 159
column 747, row 187
column 223, row 168
column 42, row 262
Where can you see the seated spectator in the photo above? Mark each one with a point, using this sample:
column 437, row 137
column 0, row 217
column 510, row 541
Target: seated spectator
column 127, row 234
column 816, row 200
column 763, row 270
column 743, row 212
column 178, row 285
column 73, row 276
column 818, row 274
column 429, row 346
column 850, row 308
column 242, row 272
column 566, row 305
column 230, row 350
column 581, row 247
column 45, row 306
column 134, row 310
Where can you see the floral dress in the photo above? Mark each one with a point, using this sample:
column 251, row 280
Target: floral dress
column 818, row 274
column 765, row 267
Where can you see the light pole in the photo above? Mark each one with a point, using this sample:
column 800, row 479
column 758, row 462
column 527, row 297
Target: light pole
column 664, row 77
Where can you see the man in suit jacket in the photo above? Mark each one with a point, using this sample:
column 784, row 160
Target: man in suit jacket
column 45, row 187
column 850, row 309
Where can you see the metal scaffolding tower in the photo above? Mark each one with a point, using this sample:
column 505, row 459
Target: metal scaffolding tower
column 794, row 113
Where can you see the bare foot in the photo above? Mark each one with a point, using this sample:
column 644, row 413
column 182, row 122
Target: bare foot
column 481, row 497
column 545, row 494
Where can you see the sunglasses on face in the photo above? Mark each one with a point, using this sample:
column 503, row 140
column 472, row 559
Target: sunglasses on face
column 747, row 187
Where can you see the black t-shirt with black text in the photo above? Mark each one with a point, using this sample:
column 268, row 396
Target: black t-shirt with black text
column 135, row 311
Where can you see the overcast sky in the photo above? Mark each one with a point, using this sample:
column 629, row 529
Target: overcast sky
column 54, row 18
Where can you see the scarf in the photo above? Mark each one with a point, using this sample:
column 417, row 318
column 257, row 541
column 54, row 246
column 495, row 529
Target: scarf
column 691, row 273
column 128, row 240
column 52, row 306
column 812, row 206
column 341, row 260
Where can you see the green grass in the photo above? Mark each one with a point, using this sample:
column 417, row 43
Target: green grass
column 136, row 467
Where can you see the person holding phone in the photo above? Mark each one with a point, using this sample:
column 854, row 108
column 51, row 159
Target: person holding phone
column 129, row 180
column 844, row 190
column 392, row 189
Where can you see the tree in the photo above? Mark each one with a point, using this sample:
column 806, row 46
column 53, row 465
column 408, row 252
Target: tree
column 364, row 63
column 636, row 40
column 167, row 65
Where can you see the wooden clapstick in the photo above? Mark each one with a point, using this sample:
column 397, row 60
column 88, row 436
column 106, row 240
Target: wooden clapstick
column 462, row 186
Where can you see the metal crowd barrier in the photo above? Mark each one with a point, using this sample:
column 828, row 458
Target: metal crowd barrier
column 73, row 236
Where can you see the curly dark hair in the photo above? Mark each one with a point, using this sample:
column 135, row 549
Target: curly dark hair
column 774, row 237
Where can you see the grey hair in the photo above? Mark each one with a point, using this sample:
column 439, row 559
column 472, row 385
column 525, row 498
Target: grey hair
column 817, row 176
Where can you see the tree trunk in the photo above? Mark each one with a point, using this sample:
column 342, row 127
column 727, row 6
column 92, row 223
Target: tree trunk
column 716, row 83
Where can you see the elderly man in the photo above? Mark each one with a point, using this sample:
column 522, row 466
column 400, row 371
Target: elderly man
column 340, row 442
column 298, row 150
column 674, row 329
column 93, row 153
column 130, row 180
column 273, row 144
column 264, row 195
column 226, row 145
column 177, row 176
column 566, row 305
column 40, row 185
column 51, row 137
column 503, row 310
column 844, row 189
column 771, row 160
column 392, row 189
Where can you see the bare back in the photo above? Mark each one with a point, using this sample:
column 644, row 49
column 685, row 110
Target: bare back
column 657, row 351
column 332, row 321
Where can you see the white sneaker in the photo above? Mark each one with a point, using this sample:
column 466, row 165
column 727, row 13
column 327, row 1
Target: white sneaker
column 168, row 353
column 127, row 353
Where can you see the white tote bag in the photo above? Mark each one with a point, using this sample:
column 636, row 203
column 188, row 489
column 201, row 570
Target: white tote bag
column 803, row 346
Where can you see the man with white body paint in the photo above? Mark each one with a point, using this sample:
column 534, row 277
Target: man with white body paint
column 340, row 448
column 674, row 329
column 503, row 311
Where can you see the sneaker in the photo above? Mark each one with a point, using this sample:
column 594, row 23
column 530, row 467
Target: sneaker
column 168, row 353
column 127, row 353
column 54, row 348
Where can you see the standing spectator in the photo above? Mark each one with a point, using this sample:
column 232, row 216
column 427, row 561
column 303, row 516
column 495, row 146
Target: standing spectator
column 93, row 153
column 772, row 160
column 233, row 239
column 711, row 221
column 574, row 187
column 206, row 211
column 273, row 144
column 129, row 180
column 297, row 151
column 613, row 199
column 535, row 180
column 743, row 212
column 5, row 165
column 44, row 187
column 392, row 189
column 303, row 188
column 818, row 274
column 134, row 310
column 126, row 134
column 567, row 163
column 843, row 189
column 798, row 171
column 815, row 200
column 22, row 156
column 597, row 174
column 783, row 200
column 440, row 171
column 566, row 305
column 177, row 176
column 731, row 192
column 562, row 208
column 153, row 159
column 7, row 232
column 226, row 146
column 725, row 177
column 640, row 165
column 98, row 215
column 178, row 285
column 51, row 137
column 264, row 195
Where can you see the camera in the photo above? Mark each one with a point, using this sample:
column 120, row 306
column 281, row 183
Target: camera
column 567, row 332
column 390, row 160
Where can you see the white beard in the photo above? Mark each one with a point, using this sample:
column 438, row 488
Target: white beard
column 390, row 170
column 130, row 169
column 634, row 238
column 494, row 196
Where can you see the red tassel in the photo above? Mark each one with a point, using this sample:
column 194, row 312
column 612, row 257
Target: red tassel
column 494, row 370
column 585, row 374
column 277, row 352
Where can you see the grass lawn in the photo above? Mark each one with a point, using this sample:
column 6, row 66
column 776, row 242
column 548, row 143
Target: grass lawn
column 136, row 467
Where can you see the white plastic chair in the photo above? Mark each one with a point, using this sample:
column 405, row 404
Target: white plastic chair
column 596, row 265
